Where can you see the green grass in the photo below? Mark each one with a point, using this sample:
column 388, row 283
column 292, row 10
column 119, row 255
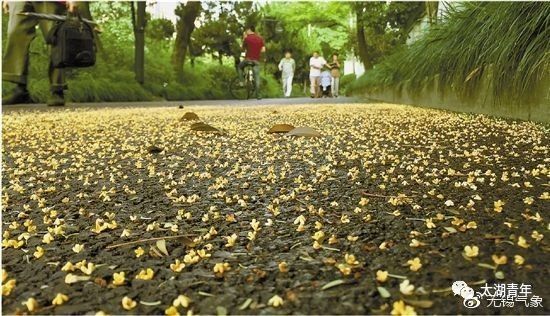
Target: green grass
column 507, row 42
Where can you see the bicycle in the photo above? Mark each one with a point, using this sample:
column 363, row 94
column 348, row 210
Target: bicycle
column 244, row 90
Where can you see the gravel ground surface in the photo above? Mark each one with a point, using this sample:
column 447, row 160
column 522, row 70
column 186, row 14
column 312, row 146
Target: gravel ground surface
column 128, row 210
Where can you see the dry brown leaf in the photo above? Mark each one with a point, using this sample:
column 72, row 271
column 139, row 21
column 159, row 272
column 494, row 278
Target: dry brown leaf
column 190, row 116
column 304, row 131
column 280, row 128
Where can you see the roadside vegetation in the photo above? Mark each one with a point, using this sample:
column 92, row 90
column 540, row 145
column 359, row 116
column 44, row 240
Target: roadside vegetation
column 504, row 42
column 201, row 65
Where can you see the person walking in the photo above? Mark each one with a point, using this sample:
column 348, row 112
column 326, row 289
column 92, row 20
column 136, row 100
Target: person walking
column 21, row 32
column 316, row 63
column 334, row 66
column 287, row 66
column 254, row 46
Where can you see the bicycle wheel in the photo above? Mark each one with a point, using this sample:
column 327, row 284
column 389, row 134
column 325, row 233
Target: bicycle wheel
column 238, row 89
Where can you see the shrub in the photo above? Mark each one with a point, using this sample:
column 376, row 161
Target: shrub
column 508, row 38
column 345, row 82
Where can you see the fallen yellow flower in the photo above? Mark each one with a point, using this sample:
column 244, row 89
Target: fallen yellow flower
column 39, row 252
column 230, row 240
column 275, row 301
column 119, row 278
column 499, row 260
column 68, row 267
column 182, row 301
column 145, row 274
column 128, row 303
column 48, row 238
column 406, row 287
column 177, row 266
column 78, row 248
column 60, row 299
column 350, row 259
column 31, row 304
column 522, row 242
column 221, row 268
column 401, row 309
column 139, row 252
column 8, row 287
column 414, row 264
column 498, row 206
column 519, row 260
column 382, row 276
column 471, row 251
column 88, row 269
column 171, row 311
column 283, row 267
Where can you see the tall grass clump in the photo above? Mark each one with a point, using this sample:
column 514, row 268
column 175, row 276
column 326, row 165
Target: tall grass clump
column 506, row 42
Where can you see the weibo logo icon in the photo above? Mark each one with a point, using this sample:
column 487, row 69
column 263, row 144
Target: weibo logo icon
column 467, row 293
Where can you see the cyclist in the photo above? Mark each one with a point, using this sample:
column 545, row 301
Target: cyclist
column 254, row 46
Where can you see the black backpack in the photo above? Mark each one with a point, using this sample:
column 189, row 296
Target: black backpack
column 72, row 43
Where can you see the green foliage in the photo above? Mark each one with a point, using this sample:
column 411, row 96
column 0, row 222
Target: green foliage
column 345, row 82
column 383, row 26
column 510, row 47
column 222, row 27
column 160, row 29
column 304, row 27
column 215, row 45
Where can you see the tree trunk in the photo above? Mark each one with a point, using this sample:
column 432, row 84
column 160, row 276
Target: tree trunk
column 185, row 25
column 431, row 11
column 362, row 46
column 138, row 22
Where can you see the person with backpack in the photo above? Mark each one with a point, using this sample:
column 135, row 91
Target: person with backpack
column 21, row 32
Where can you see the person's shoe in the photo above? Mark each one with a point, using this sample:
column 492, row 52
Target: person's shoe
column 18, row 95
column 56, row 99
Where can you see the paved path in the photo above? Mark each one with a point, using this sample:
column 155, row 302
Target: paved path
column 253, row 102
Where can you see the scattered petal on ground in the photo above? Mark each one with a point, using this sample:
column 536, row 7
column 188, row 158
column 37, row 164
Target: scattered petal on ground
column 392, row 199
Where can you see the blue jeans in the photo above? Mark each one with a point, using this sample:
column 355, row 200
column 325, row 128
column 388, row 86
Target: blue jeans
column 255, row 70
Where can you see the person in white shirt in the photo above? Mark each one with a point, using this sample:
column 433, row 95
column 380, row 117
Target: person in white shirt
column 316, row 63
column 287, row 66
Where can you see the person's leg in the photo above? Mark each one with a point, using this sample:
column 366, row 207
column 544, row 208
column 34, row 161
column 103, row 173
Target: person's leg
column 240, row 68
column 289, row 85
column 284, row 81
column 336, row 87
column 313, row 86
column 15, row 63
column 317, row 86
column 56, row 75
column 256, row 71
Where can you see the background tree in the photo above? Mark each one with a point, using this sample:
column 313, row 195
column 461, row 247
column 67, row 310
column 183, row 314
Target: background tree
column 221, row 27
column 139, row 22
column 303, row 27
column 161, row 29
column 187, row 14
column 381, row 27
